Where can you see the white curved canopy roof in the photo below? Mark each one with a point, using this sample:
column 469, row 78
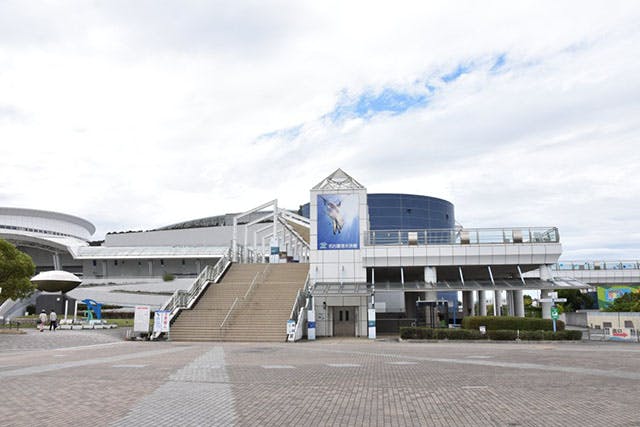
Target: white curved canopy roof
column 57, row 275
column 56, row 281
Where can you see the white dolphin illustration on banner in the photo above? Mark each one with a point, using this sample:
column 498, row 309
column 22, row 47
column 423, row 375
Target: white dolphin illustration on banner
column 333, row 212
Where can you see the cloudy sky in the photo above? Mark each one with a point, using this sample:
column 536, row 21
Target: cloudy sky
column 139, row 114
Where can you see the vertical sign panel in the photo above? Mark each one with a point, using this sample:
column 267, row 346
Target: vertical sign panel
column 141, row 318
column 338, row 222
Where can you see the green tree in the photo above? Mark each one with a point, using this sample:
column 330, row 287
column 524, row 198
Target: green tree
column 576, row 300
column 16, row 270
column 626, row 302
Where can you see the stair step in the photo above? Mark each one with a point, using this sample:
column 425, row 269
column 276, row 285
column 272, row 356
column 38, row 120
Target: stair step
column 262, row 316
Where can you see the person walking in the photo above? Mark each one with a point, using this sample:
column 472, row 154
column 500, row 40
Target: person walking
column 53, row 320
column 42, row 320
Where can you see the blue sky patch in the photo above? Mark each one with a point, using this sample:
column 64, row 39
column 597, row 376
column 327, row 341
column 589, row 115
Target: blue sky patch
column 455, row 74
column 287, row 133
column 369, row 104
column 393, row 101
column 499, row 62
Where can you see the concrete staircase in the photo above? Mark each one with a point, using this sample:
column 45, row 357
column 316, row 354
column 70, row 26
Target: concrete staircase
column 261, row 316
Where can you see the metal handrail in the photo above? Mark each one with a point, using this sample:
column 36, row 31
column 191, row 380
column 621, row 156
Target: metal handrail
column 302, row 293
column 263, row 273
column 235, row 301
column 253, row 282
column 182, row 299
column 296, row 304
column 299, row 306
column 462, row 236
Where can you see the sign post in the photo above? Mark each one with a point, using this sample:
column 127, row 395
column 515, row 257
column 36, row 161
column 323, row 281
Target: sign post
column 554, row 316
column 554, row 309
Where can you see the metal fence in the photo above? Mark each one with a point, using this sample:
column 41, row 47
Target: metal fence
column 462, row 236
column 596, row 265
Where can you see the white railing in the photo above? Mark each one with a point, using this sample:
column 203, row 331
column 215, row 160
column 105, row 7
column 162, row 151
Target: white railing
column 184, row 299
column 262, row 275
column 298, row 311
column 300, row 325
column 596, row 265
column 462, row 236
column 233, row 306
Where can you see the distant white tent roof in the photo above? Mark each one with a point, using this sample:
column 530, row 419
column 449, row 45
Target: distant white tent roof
column 150, row 252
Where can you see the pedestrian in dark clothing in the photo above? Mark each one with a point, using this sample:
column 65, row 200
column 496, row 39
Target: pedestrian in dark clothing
column 53, row 321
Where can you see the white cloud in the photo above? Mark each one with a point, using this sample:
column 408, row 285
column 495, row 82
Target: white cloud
column 140, row 115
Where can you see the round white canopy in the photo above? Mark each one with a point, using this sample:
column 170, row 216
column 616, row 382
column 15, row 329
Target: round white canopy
column 56, row 281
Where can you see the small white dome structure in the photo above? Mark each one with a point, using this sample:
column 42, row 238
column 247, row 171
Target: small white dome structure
column 56, row 281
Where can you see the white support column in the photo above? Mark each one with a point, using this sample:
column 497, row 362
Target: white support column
column 510, row 306
column 467, row 303
column 234, row 240
column 497, row 303
column 430, row 275
column 402, row 275
column 275, row 217
column 518, row 302
column 482, row 303
column 546, row 306
column 56, row 261
column 104, row 268
column 430, row 278
column 150, row 263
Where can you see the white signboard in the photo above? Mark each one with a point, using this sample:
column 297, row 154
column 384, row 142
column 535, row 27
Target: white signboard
column 161, row 321
column 141, row 318
column 371, row 323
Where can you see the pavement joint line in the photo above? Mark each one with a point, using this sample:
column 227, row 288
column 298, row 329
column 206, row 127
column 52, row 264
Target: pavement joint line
column 128, row 366
column 192, row 395
column 511, row 365
column 75, row 364
column 401, row 363
column 80, row 347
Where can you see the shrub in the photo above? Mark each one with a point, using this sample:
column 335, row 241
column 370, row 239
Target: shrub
column 510, row 323
column 422, row 333
column 563, row 335
column 502, row 335
column 168, row 277
column 407, row 333
column 532, row 335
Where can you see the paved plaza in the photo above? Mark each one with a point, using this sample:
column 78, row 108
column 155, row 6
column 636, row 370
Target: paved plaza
column 95, row 378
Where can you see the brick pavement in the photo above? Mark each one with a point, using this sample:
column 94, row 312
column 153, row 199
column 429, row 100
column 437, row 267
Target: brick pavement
column 328, row 382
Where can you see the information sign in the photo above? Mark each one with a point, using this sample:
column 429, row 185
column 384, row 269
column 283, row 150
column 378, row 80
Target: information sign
column 141, row 318
column 161, row 321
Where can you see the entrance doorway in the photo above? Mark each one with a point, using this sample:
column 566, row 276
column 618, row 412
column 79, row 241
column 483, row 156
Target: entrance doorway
column 344, row 321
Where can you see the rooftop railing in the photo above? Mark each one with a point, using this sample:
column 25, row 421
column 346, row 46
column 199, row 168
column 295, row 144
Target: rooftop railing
column 463, row 236
column 596, row 265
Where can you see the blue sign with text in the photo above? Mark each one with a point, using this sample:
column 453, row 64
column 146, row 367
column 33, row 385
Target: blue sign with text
column 338, row 222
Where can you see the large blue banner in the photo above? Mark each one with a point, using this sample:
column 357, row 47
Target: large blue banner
column 338, row 222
